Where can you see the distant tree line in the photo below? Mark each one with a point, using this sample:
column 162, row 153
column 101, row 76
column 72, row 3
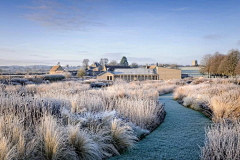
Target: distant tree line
column 123, row 62
column 104, row 61
column 168, row 65
column 219, row 65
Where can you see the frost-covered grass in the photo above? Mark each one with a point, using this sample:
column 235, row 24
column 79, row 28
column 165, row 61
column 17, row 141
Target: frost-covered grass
column 69, row 120
column 163, row 87
column 222, row 141
column 221, row 97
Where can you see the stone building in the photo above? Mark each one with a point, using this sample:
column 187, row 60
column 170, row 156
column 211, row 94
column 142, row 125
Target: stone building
column 94, row 69
column 194, row 63
column 141, row 74
column 56, row 70
column 150, row 67
column 111, row 68
column 168, row 73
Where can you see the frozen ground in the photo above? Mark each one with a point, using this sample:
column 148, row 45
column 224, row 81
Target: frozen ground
column 179, row 137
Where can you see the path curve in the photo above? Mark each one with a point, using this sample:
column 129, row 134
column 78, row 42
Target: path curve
column 178, row 137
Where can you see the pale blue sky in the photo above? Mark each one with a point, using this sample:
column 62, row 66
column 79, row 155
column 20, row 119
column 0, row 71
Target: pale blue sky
column 145, row 31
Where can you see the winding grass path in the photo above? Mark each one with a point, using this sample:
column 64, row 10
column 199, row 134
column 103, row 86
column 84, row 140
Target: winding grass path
column 178, row 137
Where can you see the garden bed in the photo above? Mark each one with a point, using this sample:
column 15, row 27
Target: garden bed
column 71, row 120
column 219, row 100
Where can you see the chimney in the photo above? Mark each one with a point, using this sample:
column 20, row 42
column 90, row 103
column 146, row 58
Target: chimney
column 146, row 66
column 157, row 64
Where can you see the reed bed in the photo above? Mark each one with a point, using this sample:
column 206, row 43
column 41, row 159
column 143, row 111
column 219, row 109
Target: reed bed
column 69, row 120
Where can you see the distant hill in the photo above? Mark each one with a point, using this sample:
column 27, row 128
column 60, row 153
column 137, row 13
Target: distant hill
column 31, row 69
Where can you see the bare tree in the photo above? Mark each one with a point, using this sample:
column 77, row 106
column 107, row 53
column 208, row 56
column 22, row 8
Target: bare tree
column 237, row 69
column 202, row 71
column 85, row 63
column 221, row 65
column 103, row 61
column 160, row 64
column 206, row 63
column 216, row 59
column 134, row 65
column 113, row 63
column 173, row 66
column 230, row 62
column 222, row 69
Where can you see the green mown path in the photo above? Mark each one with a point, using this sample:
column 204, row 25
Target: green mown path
column 179, row 137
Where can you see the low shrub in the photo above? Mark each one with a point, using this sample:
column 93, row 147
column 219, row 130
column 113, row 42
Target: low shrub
column 53, row 77
column 67, row 74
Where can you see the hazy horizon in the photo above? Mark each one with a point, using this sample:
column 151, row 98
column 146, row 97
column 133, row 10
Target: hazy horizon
column 41, row 32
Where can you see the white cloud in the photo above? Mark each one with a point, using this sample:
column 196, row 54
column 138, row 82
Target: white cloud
column 63, row 15
column 213, row 37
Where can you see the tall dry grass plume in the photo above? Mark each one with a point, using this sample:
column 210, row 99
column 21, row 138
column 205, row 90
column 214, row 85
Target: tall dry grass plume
column 69, row 120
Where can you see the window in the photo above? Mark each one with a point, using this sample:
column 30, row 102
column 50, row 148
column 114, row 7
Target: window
column 110, row 78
